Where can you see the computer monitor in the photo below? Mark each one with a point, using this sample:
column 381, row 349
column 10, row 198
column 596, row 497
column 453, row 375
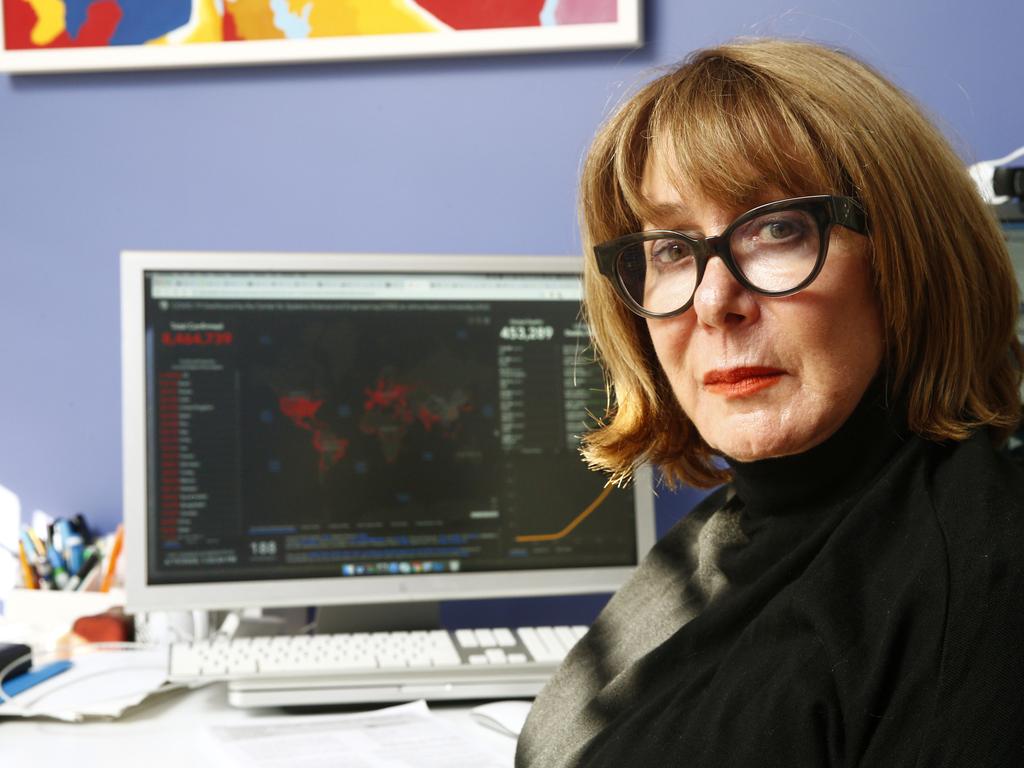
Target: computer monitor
column 315, row 430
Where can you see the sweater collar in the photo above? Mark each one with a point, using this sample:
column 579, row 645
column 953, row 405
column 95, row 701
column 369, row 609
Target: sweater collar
column 831, row 471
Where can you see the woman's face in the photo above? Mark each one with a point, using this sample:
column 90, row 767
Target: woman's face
column 764, row 377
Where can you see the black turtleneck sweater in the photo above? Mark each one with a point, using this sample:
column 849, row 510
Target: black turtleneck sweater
column 861, row 604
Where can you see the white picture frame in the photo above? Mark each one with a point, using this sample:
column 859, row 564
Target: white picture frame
column 619, row 26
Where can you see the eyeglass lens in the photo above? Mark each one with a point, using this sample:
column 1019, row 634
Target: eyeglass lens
column 774, row 252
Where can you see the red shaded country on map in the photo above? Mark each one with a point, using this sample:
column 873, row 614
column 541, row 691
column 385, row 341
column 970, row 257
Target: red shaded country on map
column 391, row 396
column 302, row 411
column 391, row 408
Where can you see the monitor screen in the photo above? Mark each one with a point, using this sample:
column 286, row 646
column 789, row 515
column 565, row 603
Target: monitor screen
column 331, row 429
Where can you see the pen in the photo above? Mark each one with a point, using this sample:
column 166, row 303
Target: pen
column 79, row 523
column 37, row 543
column 92, row 557
column 36, row 555
column 27, row 574
column 115, row 552
column 60, row 571
column 71, row 544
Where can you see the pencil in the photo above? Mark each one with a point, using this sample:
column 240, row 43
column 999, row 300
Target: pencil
column 27, row 574
column 115, row 552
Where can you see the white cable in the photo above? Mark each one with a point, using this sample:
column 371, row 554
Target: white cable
column 229, row 627
column 984, row 170
column 200, row 625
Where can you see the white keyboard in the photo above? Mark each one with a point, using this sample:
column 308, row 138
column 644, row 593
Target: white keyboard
column 302, row 670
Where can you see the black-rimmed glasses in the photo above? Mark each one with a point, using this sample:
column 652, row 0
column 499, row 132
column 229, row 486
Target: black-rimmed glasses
column 775, row 249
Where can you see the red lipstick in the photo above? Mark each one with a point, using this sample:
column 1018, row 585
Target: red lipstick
column 741, row 382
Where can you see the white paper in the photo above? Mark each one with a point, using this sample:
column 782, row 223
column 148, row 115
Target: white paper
column 406, row 736
column 99, row 684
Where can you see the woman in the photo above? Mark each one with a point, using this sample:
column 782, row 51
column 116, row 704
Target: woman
column 796, row 289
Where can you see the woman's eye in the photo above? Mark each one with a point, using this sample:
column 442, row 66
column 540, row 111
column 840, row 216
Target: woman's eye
column 664, row 252
column 779, row 230
column 781, row 227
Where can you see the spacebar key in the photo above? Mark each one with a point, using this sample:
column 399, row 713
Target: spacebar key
column 537, row 648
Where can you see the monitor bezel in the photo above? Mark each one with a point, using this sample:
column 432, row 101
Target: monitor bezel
column 230, row 595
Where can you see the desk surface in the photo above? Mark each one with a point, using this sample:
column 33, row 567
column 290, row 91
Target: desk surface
column 162, row 732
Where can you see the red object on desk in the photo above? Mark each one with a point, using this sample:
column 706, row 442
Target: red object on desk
column 110, row 627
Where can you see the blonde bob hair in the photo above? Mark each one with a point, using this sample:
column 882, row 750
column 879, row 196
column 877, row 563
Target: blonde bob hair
column 807, row 120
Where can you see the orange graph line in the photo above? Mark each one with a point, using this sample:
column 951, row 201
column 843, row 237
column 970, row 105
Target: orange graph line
column 576, row 521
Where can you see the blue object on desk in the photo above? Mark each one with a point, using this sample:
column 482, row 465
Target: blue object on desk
column 71, row 544
column 15, row 685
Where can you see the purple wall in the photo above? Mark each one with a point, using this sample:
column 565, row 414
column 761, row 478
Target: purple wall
column 463, row 155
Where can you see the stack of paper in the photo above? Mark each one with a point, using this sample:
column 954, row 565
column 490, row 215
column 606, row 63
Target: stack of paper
column 406, row 736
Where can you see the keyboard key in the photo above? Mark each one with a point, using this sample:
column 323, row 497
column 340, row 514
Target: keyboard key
column 505, row 638
column 566, row 636
column 552, row 641
column 466, row 638
column 243, row 667
column 537, row 647
column 485, row 638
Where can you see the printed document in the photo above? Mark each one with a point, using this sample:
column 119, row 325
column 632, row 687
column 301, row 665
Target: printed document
column 406, row 736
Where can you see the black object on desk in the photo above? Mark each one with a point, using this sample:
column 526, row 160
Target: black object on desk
column 11, row 652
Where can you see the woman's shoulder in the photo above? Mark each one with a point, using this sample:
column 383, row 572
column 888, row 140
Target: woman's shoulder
column 977, row 489
column 977, row 495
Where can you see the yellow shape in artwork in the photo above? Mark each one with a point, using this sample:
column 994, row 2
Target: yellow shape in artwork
column 203, row 26
column 364, row 17
column 50, row 20
column 254, row 19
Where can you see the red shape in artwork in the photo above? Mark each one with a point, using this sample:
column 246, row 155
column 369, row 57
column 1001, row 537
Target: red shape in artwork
column 228, row 29
column 485, row 14
column 19, row 18
column 101, row 20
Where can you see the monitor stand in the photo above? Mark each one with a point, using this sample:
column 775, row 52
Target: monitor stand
column 385, row 617
column 329, row 619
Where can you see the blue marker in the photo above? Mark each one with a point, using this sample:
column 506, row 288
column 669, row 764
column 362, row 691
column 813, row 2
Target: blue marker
column 71, row 542
column 60, row 571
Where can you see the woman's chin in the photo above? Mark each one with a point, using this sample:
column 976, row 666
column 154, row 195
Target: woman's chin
column 747, row 455
column 758, row 447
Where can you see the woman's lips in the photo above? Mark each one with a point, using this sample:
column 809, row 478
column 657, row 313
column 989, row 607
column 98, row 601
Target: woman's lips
column 741, row 382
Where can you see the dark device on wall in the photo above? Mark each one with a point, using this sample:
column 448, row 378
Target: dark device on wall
column 1009, row 182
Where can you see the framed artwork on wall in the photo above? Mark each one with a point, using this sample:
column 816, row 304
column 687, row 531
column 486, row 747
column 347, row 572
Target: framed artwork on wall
column 38, row 36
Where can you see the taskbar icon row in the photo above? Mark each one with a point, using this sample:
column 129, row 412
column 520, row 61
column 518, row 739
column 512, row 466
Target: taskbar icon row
column 400, row 567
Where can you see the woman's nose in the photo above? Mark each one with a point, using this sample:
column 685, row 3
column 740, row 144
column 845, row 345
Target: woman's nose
column 720, row 301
